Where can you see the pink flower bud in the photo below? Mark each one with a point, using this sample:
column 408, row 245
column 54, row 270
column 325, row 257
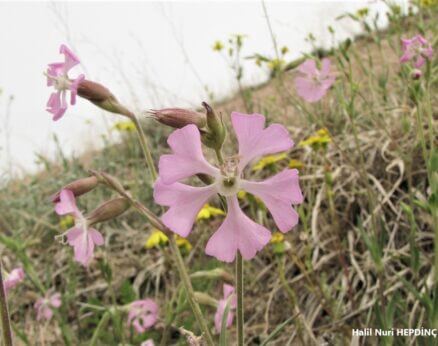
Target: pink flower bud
column 108, row 210
column 178, row 117
column 78, row 187
column 416, row 74
column 99, row 95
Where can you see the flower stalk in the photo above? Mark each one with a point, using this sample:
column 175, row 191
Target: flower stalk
column 6, row 323
column 239, row 289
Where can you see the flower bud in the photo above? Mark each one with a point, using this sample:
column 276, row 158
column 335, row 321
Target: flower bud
column 215, row 135
column 205, row 299
column 108, row 210
column 416, row 74
column 99, row 95
column 78, row 187
column 178, row 117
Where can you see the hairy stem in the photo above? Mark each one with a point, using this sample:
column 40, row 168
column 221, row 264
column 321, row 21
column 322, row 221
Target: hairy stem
column 6, row 323
column 190, row 292
column 239, row 289
column 173, row 246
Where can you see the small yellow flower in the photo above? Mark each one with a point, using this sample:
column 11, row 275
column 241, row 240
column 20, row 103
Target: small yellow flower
column 208, row 212
column 277, row 237
column 276, row 64
column 218, row 46
column 362, row 12
column 284, row 50
column 241, row 194
column 320, row 139
column 124, row 126
column 66, row 222
column 268, row 160
column 183, row 243
column 428, row 3
column 295, row 164
column 156, row 239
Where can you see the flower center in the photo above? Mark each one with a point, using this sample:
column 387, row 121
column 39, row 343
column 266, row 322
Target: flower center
column 228, row 182
column 61, row 82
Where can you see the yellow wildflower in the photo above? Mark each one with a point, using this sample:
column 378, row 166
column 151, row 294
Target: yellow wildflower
column 277, row 237
column 268, row 160
column 127, row 126
column 183, row 243
column 428, row 3
column 276, row 64
column 284, row 50
column 156, row 239
column 362, row 12
column 295, row 164
column 208, row 212
column 320, row 139
column 66, row 222
column 218, row 46
column 241, row 194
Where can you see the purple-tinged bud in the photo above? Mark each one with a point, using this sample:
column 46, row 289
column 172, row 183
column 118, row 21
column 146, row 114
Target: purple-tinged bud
column 215, row 135
column 178, row 117
column 78, row 187
column 103, row 98
column 416, row 74
column 108, row 210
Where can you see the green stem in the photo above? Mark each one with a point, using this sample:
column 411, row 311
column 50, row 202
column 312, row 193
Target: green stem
column 239, row 290
column 145, row 148
column 173, row 246
column 6, row 323
column 190, row 292
column 102, row 323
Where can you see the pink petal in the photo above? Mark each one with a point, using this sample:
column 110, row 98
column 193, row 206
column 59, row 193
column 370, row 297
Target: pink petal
column 83, row 246
column 255, row 140
column 187, row 158
column 67, row 204
column 71, row 59
column 325, row 67
column 237, row 232
column 138, row 326
column 54, row 70
column 14, row 277
column 219, row 315
column 420, row 61
column 56, row 106
column 278, row 193
column 55, row 300
column 73, row 234
column 228, row 290
column 309, row 90
column 96, row 237
column 74, row 88
column 308, row 67
column 47, row 312
column 148, row 342
column 184, row 201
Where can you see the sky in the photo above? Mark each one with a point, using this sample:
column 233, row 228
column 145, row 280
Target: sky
column 149, row 54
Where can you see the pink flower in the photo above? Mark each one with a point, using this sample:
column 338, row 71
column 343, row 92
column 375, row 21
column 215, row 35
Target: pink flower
column 82, row 237
column 13, row 278
column 312, row 84
column 237, row 232
column 417, row 49
column 143, row 314
column 57, row 76
column 44, row 306
column 228, row 291
column 148, row 342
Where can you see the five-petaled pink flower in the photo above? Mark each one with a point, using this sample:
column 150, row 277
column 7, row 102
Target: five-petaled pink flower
column 57, row 76
column 312, row 84
column 81, row 236
column 228, row 291
column 143, row 314
column 44, row 306
column 238, row 232
column 417, row 49
column 13, row 278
